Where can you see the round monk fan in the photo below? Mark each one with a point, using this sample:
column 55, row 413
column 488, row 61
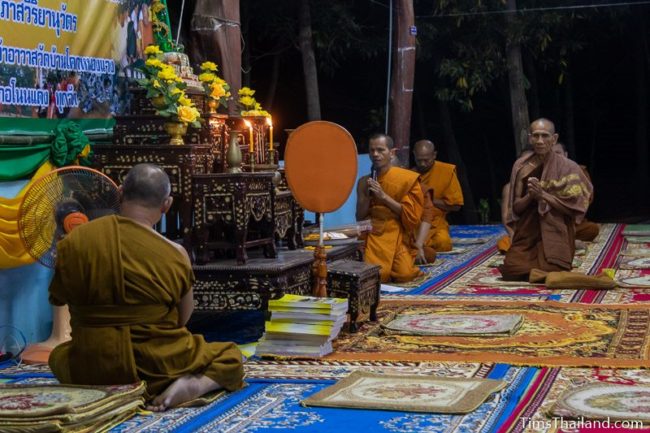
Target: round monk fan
column 321, row 168
column 58, row 202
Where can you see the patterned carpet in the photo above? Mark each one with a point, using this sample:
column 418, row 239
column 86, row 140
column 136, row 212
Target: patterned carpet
column 552, row 333
column 562, row 327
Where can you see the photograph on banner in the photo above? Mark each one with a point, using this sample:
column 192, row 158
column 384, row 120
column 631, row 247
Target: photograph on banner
column 71, row 59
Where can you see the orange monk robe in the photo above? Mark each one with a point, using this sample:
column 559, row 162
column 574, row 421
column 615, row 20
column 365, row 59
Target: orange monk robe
column 385, row 245
column 427, row 216
column 123, row 284
column 444, row 182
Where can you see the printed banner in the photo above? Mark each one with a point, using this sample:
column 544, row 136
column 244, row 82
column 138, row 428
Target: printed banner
column 69, row 58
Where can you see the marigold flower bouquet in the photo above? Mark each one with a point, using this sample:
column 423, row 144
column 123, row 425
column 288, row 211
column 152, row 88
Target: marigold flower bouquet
column 167, row 90
column 216, row 88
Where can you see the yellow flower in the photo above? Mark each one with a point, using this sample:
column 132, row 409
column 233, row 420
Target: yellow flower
column 184, row 100
column 246, row 91
column 217, row 91
column 156, row 84
column 187, row 114
column 168, row 75
column 209, row 66
column 175, row 90
column 247, row 101
column 152, row 50
column 207, row 77
column 154, row 63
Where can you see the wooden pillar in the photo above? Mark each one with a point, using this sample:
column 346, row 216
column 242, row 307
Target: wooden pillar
column 402, row 77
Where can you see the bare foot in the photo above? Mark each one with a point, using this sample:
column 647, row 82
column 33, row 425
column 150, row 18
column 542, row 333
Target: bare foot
column 183, row 389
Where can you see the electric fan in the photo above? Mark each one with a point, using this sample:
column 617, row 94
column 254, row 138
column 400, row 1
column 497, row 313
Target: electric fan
column 58, row 202
column 53, row 206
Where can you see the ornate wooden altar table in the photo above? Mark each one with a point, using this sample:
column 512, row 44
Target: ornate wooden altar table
column 179, row 162
column 226, row 285
column 233, row 200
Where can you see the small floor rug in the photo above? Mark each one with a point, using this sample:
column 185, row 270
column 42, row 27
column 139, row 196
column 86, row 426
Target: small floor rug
column 552, row 334
column 531, row 414
column 408, row 393
column 454, row 325
column 266, row 406
column 605, row 401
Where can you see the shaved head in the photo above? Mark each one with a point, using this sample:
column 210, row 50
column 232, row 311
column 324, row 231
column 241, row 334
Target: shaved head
column 147, row 185
column 542, row 123
column 424, row 145
column 424, row 153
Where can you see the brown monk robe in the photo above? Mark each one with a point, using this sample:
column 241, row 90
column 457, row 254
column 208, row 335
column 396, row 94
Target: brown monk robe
column 394, row 204
column 548, row 194
column 447, row 194
column 129, row 291
column 587, row 230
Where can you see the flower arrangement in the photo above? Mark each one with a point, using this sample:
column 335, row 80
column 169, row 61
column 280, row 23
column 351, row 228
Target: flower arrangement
column 215, row 87
column 248, row 104
column 166, row 89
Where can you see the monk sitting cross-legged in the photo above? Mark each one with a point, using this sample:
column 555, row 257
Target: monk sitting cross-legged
column 129, row 291
column 441, row 178
column 548, row 195
column 394, row 204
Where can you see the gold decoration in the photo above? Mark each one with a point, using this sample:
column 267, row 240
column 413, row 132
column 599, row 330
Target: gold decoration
column 176, row 130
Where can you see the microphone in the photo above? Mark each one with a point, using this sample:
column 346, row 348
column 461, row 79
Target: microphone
column 373, row 172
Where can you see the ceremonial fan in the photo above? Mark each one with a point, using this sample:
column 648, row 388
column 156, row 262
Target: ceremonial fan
column 321, row 168
column 52, row 207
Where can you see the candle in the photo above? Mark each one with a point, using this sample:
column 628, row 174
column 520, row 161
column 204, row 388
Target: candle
column 251, row 144
column 268, row 120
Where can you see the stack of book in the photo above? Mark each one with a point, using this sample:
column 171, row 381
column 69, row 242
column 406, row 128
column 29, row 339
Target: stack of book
column 302, row 326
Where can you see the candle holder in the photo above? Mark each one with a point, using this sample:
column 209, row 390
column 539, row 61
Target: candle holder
column 260, row 129
column 251, row 161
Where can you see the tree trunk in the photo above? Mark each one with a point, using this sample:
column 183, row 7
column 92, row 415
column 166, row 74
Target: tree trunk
column 216, row 29
column 533, row 90
column 246, row 52
column 568, row 131
column 641, row 132
column 308, row 62
column 273, row 85
column 402, row 77
column 468, row 210
column 518, row 102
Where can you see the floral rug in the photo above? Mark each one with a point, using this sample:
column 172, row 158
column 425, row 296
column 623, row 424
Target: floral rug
column 453, row 324
column 604, row 401
column 409, row 393
column 552, row 334
column 55, row 407
column 266, row 406
column 531, row 415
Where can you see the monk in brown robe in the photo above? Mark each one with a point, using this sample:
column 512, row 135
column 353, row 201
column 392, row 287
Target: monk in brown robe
column 548, row 194
column 447, row 195
column 586, row 231
column 129, row 291
column 393, row 201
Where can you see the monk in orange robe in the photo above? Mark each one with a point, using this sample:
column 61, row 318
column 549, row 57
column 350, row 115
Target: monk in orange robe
column 447, row 194
column 129, row 291
column 393, row 201
column 416, row 239
column 548, row 195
